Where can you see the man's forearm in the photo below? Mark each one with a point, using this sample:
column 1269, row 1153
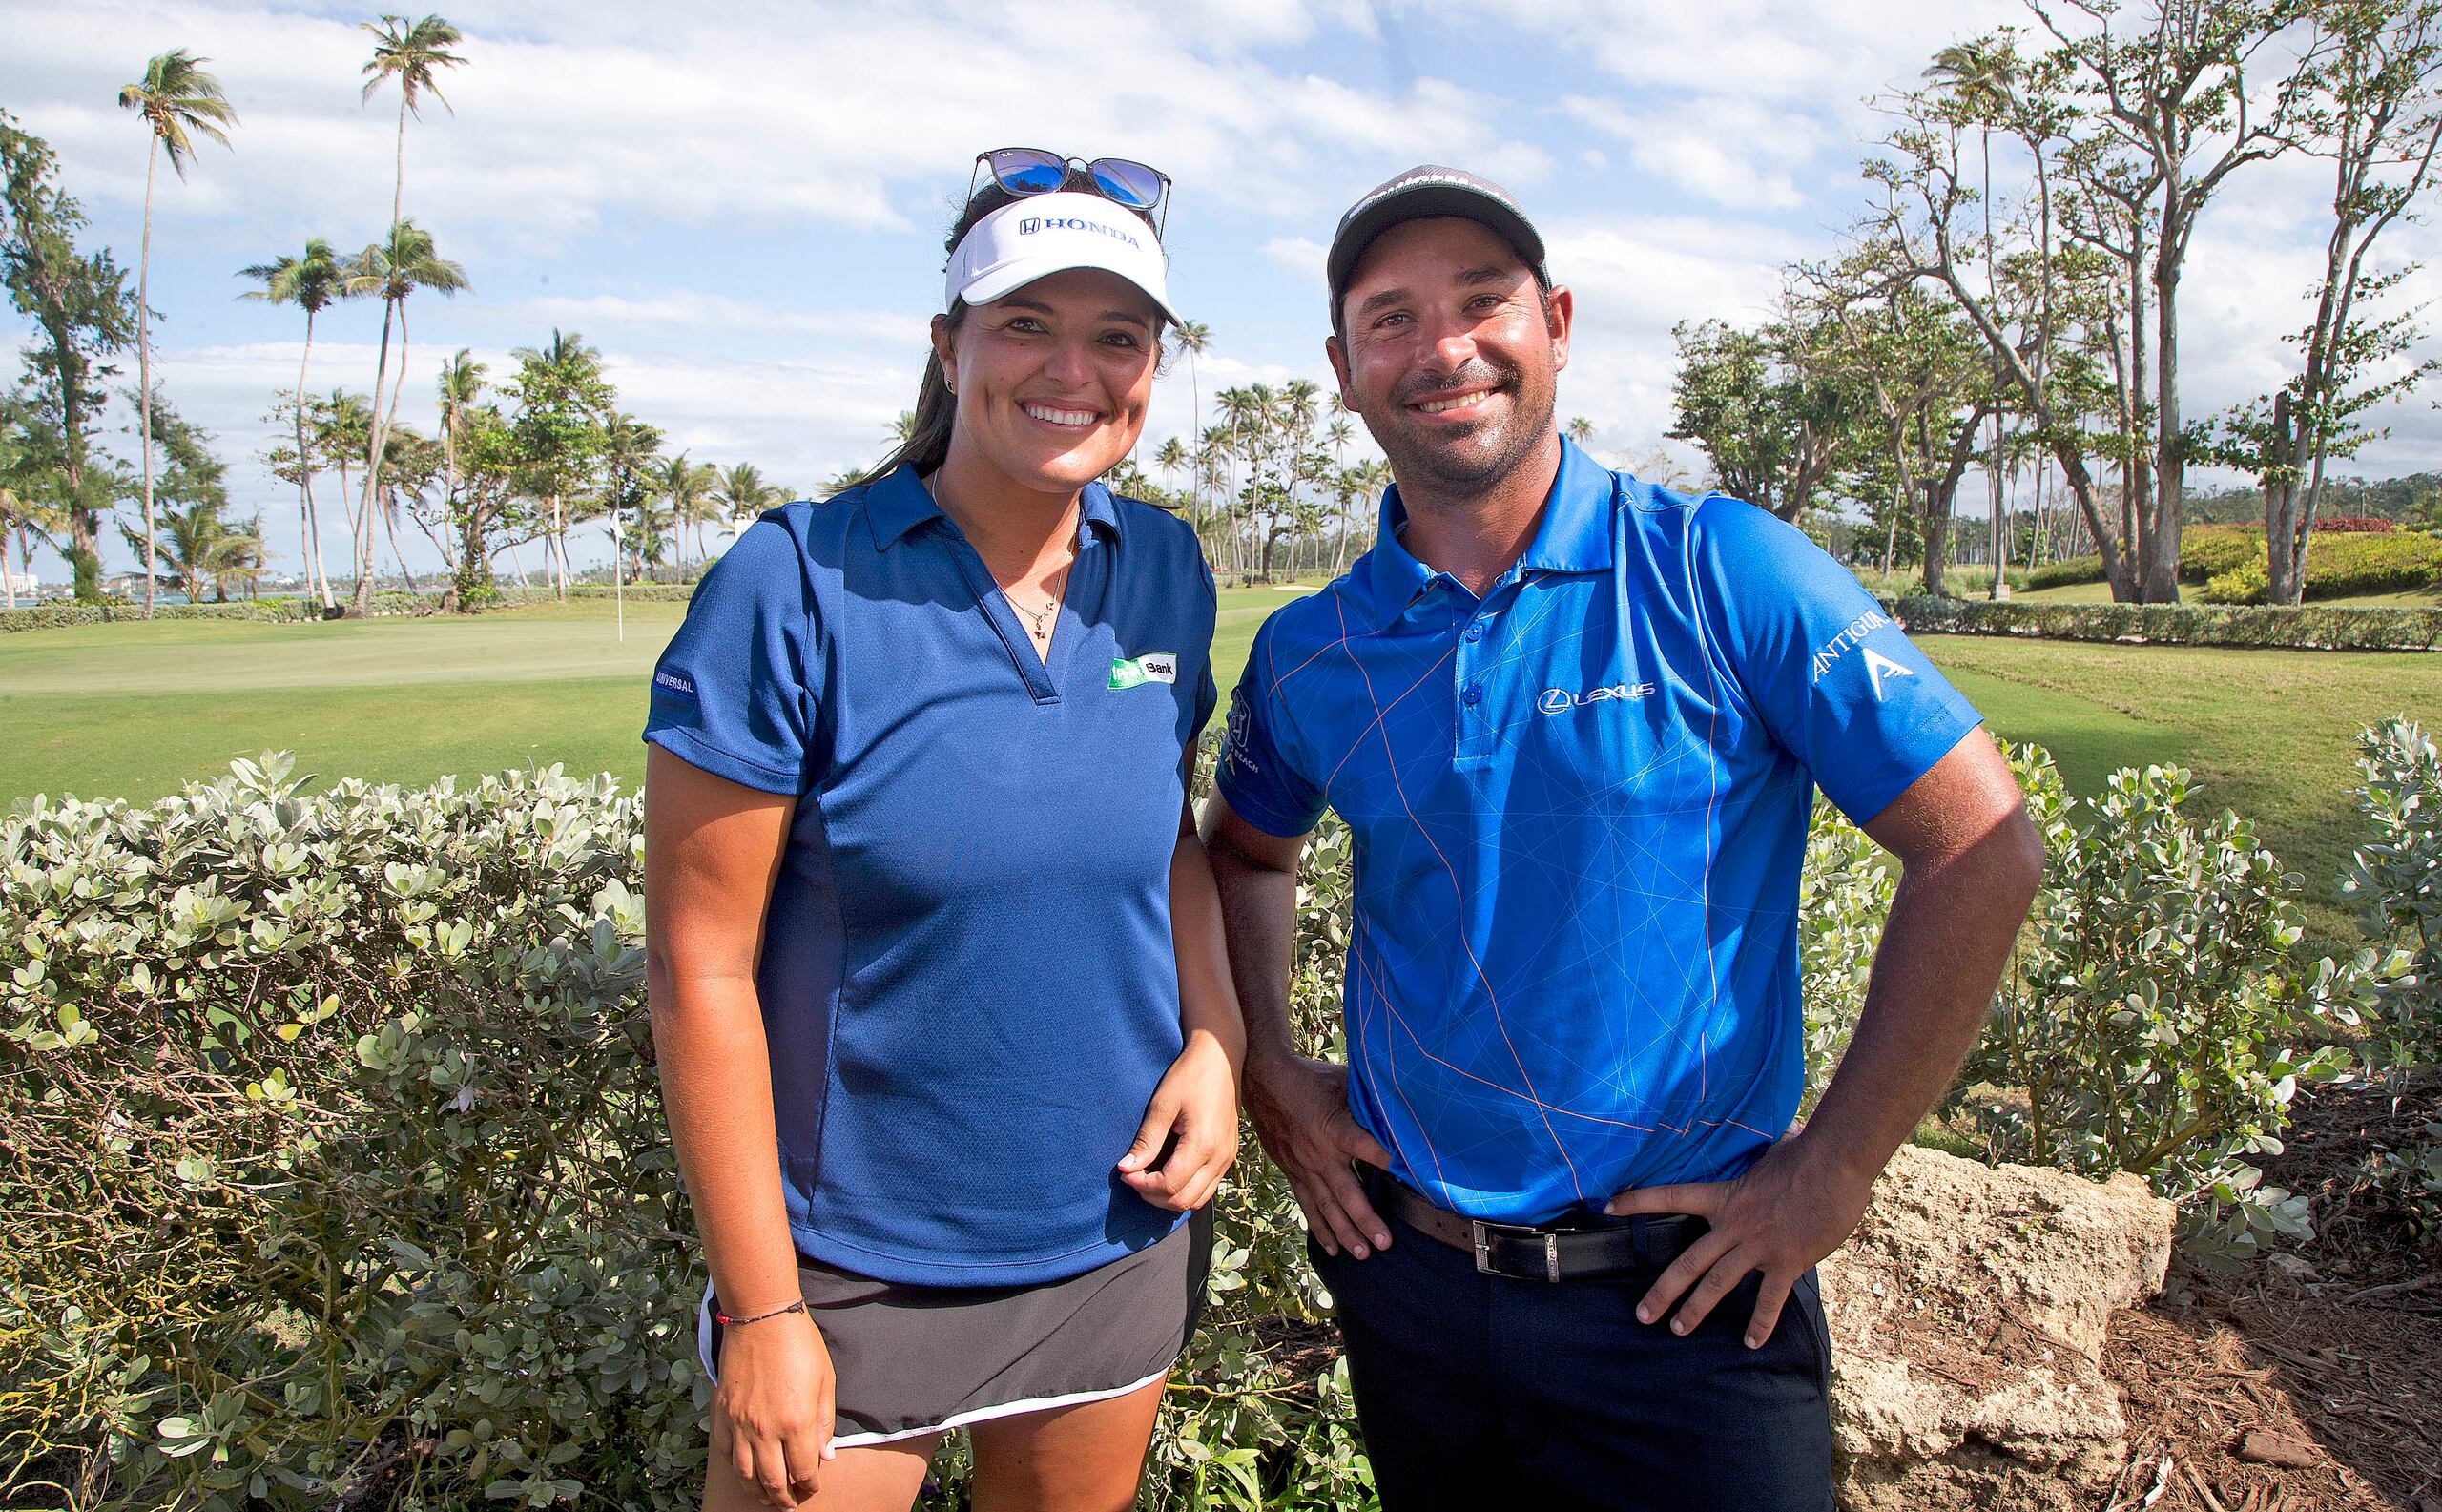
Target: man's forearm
column 1948, row 937
column 1259, row 920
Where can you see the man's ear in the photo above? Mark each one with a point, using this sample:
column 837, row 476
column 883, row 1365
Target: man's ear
column 1340, row 374
column 1562, row 310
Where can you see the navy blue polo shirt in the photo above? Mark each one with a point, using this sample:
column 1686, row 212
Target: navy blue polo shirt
column 1579, row 806
column 967, row 978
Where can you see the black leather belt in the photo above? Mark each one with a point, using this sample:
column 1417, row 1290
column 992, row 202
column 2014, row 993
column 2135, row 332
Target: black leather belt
column 1566, row 1251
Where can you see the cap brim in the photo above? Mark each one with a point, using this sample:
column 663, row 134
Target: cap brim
column 1004, row 280
column 1425, row 203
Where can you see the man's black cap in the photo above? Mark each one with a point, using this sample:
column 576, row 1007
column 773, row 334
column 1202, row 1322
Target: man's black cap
column 1424, row 191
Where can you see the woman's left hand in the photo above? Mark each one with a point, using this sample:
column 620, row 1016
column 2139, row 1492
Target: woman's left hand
column 1191, row 1129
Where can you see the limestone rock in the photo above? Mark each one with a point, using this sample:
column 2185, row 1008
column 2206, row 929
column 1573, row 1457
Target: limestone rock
column 1967, row 1317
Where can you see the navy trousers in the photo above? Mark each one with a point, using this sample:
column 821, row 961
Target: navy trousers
column 1476, row 1390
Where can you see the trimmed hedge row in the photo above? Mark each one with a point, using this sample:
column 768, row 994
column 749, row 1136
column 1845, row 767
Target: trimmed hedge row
column 650, row 593
column 2339, row 561
column 64, row 613
column 2296, row 627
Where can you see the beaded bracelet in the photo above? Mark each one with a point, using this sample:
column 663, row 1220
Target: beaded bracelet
column 727, row 1321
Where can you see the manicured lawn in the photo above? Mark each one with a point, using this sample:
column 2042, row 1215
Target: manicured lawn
column 131, row 711
column 2269, row 734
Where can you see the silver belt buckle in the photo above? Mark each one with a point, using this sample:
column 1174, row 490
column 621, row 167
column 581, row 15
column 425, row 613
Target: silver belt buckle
column 1483, row 1237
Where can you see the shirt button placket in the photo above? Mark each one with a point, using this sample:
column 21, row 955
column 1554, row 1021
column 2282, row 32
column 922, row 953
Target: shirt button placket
column 1474, row 742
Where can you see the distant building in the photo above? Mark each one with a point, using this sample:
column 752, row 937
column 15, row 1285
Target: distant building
column 25, row 584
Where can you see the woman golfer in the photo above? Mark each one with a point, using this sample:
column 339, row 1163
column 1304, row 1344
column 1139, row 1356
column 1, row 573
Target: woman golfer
column 945, row 1034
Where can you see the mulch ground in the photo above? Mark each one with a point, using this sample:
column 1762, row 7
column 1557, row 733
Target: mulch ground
column 2335, row 1370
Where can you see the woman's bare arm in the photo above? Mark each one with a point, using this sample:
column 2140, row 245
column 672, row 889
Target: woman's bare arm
column 1193, row 1115
column 711, row 850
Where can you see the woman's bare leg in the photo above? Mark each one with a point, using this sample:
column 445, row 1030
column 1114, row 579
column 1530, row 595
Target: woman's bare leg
column 1083, row 1459
column 875, row 1478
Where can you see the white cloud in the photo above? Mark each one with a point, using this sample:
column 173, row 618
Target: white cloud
column 569, row 124
column 1298, row 255
column 1732, row 152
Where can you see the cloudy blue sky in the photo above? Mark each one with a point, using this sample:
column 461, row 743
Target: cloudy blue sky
column 741, row 204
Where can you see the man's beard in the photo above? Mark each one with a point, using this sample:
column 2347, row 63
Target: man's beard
column 1459, row 460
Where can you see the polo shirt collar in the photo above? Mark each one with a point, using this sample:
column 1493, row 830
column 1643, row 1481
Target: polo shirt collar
column 898, row 502
column 1573, row 536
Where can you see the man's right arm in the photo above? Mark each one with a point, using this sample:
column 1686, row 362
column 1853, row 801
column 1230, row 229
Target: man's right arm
column 1299, row 1105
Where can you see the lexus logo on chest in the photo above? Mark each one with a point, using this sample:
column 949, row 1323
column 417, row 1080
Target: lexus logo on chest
column 1559, row 701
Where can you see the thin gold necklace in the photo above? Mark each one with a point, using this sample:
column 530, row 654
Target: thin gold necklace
column 1044, row 617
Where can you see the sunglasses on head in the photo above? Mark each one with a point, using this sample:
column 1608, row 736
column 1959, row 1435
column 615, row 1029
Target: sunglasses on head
column 1031, row 171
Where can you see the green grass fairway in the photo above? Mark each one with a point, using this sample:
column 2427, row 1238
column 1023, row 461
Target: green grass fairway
column 131, row 711
column 2271, row 733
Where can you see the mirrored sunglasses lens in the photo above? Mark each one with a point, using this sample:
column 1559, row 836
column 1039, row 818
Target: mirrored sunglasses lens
column 1129, row 183
column 1023, row 171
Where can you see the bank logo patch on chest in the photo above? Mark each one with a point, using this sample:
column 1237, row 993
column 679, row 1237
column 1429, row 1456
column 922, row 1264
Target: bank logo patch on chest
column 1155, row 666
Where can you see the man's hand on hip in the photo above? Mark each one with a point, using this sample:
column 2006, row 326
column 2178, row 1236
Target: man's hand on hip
column 1300, row 1112
column 1790, row 1209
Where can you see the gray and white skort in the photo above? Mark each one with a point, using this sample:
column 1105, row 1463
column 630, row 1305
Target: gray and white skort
column 917, row 1359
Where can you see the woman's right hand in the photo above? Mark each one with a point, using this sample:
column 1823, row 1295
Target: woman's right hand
column 773, row 1412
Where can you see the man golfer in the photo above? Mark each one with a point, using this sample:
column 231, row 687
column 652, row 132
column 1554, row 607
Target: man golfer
column 1576, row 723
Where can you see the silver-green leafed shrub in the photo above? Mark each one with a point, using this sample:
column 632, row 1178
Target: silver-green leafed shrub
column 333, row 1172
column 2396, row 881
column 2152, row 1017
column 1843, row 897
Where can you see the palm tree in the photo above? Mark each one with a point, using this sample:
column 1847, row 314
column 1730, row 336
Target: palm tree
column 409, row 262
column 742, row 491
column 200, row 546
column 1194, row 339
column 688, row 487
column 461, row 384
column 174, row 97
column 1173, row 458
column 630, row 450
column 413, row 54
column 343, row 429
column 309, row 282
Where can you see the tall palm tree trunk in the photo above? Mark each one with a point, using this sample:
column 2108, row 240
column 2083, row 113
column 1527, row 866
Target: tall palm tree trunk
column 362, row 601
column 390, row 508
column 390, row 524
column 309, row 535
column 362, row 521
column 144, row 356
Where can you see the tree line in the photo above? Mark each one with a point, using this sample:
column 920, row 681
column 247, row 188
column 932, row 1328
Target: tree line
column 523, row 461
column 2010, row 298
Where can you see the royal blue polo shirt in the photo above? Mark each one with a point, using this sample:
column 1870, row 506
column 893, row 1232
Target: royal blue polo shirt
column 1579, row 806
column 967, row 978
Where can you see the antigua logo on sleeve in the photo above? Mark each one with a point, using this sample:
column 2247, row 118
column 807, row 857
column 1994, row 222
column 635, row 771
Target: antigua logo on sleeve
column 1879, row 667
column 1155, row 666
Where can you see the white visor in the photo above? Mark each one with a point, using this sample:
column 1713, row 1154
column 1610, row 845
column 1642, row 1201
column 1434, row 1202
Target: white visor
column 1044, row 234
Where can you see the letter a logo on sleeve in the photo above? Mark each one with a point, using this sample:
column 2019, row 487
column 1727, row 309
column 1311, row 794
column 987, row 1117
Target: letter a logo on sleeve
column 1155, row 666
column 1879, row 666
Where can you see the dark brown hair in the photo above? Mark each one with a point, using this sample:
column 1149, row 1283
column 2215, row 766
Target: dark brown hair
column 928, row 439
